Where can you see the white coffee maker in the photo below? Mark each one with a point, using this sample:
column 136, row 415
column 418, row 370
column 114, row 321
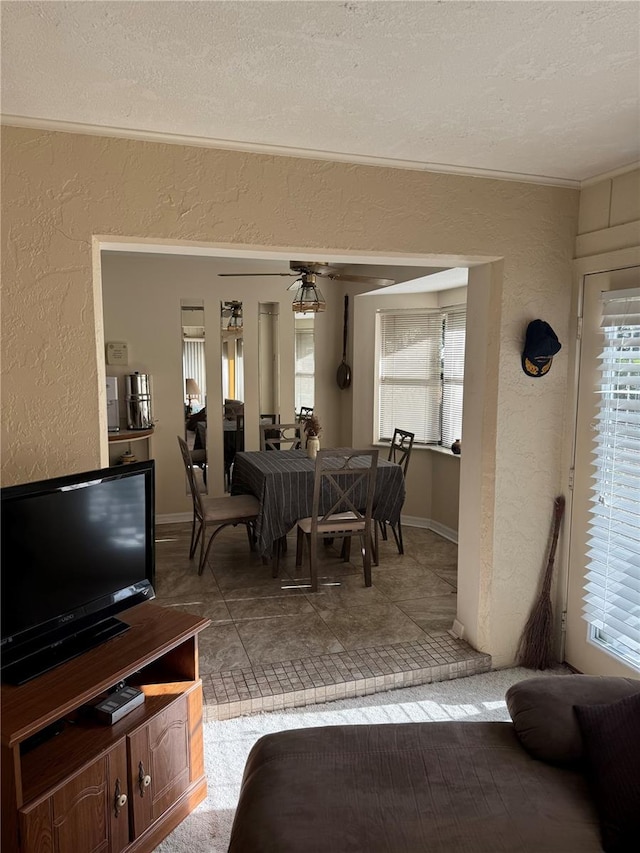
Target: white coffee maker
column 113, row 409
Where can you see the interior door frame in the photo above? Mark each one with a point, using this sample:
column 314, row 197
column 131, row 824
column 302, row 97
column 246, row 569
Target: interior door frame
column 595, row 264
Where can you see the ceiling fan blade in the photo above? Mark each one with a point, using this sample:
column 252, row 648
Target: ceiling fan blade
column 361, row 279
column 247, row 274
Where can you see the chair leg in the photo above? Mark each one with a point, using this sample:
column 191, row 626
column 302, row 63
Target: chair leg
column 202, row 532
column 375, row 546
column 346, row 549
column 250, row 536
column 313, row 564
column 383, row 529
column 299, row 548
column 397, row 535
column 194, row 541
column 366, row 556
column 275, row 559
column 205, row 555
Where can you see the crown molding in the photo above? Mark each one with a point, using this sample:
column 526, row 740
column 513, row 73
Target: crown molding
column 282, row 151
column 606, row 176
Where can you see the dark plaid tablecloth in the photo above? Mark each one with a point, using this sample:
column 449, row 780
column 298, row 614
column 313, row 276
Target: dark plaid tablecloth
column 283, row 483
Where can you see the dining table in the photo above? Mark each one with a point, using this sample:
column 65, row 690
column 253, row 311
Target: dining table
column 282, row 481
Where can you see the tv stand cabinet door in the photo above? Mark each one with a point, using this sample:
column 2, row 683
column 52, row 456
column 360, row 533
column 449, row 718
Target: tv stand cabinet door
column 159, row 764
column 81, row 815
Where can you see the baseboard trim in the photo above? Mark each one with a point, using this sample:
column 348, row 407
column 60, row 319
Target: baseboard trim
column 457, row 630
column 429, row 524
column 174, row 517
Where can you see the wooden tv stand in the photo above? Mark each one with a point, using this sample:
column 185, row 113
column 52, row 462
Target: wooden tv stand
column 86, row 786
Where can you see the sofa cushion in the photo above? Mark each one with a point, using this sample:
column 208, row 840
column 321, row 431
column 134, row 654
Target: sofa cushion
column 448, row 787
column 542, row 711
column 611, row 736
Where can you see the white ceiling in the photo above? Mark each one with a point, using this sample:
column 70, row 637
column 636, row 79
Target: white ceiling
column 548, row 90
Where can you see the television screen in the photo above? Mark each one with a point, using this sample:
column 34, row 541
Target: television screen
column 74, row 550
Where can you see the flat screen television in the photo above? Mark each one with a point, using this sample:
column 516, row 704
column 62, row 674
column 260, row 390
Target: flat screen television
column 75, row 551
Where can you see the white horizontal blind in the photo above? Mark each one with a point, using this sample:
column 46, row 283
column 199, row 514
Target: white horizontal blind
column 455, row 325
column 409, row 377
column 612, row 589
column 193, row 366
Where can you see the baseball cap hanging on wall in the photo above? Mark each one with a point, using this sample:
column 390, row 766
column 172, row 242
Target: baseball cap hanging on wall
column 541, row 344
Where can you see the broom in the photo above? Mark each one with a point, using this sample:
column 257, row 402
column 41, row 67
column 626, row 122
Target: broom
column 535, row 647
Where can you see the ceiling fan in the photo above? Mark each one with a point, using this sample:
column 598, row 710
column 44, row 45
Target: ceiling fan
column 300, row 269
column 308, row 298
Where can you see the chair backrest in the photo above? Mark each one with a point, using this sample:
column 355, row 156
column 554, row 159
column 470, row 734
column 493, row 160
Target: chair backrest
column 305, row 412
column 270, row 419
column 400, row 450
column 280, row 436
column 188, row 466
column 200, row 442
column 239, row 433
column 345, row 481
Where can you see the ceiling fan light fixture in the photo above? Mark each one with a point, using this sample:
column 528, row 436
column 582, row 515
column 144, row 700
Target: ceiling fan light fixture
column 234, row 324
column 308, row 300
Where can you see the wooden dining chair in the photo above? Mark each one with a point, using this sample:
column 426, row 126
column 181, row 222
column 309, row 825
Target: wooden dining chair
column 305, row 413
column 220, row 512
column 239, row 433
column 344, row 483
column 280, row 436
column 399, row 452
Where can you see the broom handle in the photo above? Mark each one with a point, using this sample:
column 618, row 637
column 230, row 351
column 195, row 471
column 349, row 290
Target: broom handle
column 558, row 505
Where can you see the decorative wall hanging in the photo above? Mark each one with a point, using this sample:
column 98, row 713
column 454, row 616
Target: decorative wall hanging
column 541, row 344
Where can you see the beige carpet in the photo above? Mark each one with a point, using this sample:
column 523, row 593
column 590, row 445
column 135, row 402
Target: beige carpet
column 227, row 742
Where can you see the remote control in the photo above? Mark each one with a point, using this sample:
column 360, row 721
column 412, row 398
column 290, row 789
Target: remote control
column 117, row 704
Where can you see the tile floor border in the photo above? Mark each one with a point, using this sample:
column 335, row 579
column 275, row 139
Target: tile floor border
column 341, row 675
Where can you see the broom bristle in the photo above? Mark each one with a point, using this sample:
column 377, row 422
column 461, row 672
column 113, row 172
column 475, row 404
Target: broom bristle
column 535, row 648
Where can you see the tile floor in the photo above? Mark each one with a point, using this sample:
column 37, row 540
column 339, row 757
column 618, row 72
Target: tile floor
column 274, row 644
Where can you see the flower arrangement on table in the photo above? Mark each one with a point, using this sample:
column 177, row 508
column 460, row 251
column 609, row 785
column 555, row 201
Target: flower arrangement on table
column 312, row 426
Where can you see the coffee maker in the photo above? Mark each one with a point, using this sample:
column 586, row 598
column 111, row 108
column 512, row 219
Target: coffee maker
column 138, row 400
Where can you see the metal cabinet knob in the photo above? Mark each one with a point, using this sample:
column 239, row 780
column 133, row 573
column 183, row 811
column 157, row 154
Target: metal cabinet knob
column 119, row 799
column 144, row 780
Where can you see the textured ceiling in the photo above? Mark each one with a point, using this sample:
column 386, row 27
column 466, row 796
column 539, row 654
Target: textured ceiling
column 545, row 89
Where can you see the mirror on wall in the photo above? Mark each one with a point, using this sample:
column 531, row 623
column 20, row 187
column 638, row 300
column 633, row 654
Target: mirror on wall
column 268, row 361
column 194, row 387
column 232, row 350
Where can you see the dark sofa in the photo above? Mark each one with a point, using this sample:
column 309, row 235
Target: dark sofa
column 437, row 787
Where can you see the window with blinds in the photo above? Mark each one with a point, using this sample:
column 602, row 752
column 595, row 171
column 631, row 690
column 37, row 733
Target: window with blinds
column 421, row 374
column 612, row 588
column 304, row 378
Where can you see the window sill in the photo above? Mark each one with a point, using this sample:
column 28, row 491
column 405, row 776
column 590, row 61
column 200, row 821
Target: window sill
column 432, row 448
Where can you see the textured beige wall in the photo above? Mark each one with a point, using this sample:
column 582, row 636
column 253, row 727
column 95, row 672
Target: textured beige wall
column 61, row 190
column 445, row 490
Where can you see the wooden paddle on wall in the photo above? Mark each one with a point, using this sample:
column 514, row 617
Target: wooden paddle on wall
column 343, row 374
